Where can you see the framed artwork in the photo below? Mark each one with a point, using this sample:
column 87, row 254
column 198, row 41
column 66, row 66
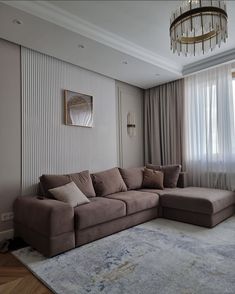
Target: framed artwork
column 78, row 109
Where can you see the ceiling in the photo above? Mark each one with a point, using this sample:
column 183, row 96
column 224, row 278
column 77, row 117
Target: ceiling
column 125, row 40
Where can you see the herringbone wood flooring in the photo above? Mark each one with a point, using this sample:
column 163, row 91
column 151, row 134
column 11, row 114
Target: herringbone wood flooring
column 15, row 278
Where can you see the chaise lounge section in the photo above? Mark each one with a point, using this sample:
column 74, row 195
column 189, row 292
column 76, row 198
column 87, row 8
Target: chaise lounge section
column 199, row 206
column 118, row 200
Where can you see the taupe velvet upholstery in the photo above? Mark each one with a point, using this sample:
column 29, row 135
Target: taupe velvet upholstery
column 182, row 181
column 98, row 211
column 47, row 225
column 48, row 182
column 133, row 177
column 195, row 218
column 171, row 173
column 159, row 191
column 99, row 231
column 81, row 179
column 47, row 245
column 84, row 182
column 47, row 217
column 108, row 182
column 153, row 179
column 52, row 227
column 202, row 200
column 136, row 201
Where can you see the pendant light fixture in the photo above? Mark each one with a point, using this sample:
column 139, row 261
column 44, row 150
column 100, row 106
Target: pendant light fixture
column 198, row 26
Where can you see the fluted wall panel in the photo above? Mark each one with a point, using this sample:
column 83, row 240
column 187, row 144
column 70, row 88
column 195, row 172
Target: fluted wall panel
column 49, row 146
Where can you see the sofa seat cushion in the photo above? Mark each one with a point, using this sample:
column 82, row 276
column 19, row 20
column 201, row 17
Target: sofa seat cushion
column 202, row 200
column 98, row 211
column 159, row 191
column 136, row 201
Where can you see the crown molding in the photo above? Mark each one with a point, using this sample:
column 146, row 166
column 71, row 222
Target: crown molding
column 60, row 17
column 224, row 57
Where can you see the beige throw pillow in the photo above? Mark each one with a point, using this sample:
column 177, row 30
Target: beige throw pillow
column 153, row 179
column 70, row 194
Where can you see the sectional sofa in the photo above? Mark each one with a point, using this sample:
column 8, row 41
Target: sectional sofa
column 118, row 200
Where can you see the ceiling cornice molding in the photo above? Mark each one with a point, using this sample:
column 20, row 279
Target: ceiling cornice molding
column 51, row 13
column 212, row 61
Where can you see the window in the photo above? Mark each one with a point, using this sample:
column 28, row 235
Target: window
column 210, row 128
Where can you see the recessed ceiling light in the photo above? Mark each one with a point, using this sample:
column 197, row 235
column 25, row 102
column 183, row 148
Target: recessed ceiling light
column 17, row 21
column 81, row 46
column 124, row 62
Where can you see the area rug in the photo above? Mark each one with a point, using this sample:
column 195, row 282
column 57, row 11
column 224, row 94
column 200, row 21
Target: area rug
column 158, row 257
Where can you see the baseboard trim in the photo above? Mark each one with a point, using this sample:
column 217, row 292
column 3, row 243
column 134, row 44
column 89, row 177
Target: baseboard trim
column 6, row 234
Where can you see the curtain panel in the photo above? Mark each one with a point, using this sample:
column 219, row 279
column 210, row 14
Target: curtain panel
column 209, row 128
column 163, row 124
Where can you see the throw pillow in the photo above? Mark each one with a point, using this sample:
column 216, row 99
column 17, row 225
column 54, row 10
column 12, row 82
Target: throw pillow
column 70, row 194
column 108, row 182
column 171, row 173
column 153, row 179
column 133, row 177
column 81, row 179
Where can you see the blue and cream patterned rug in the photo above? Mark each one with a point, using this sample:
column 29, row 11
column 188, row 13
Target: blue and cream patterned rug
column 158, row 257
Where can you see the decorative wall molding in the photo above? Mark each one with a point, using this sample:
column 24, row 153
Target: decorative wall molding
column 58, row 16
column 119, row 121
column 48, row 145
column 130, row 149
column 224, row 57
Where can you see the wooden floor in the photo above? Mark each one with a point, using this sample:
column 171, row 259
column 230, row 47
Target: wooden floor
column 15, row 278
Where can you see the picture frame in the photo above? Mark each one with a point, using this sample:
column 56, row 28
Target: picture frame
column 78, row 109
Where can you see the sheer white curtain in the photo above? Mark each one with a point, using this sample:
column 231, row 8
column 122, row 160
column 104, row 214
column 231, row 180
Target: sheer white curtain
column 209, row 123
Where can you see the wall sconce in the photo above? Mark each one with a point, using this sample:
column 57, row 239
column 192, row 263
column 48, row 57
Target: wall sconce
column 131, row 127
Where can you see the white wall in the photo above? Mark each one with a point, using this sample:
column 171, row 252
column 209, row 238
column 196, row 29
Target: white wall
column 49, row 146
column 131, row 149
column 10, row 138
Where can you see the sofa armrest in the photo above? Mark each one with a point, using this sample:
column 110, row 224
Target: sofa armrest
column 182, row 181
column 47, row 217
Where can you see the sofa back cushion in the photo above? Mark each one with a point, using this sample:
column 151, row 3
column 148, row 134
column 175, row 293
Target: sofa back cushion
column 82, row 180
column 171, row 173
column 52, row 181
column 108, row 182
column 133, row 177
column 153, row 179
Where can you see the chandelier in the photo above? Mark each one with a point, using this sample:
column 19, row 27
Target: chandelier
column 198, row 26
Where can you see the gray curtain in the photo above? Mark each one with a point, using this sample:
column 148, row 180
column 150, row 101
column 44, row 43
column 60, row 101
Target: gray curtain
column 164, row 124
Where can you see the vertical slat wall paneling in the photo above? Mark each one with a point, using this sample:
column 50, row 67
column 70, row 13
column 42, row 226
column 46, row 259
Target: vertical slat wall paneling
column 49, row 146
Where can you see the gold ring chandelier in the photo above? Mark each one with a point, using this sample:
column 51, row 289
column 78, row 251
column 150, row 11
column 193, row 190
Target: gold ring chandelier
column 198, row 26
